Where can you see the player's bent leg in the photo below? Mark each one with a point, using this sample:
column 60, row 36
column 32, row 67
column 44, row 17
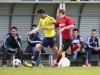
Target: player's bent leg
column 60, row 51
column 36, row 54
column 39, row 47
column 68, row 51
column 55, row 49
column 38, row 59
column 59, row 56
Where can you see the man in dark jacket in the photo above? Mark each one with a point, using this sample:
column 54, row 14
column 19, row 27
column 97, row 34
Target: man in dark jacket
column 80, row 51
column 34, row 39
column 12, row 44
column 93, row 46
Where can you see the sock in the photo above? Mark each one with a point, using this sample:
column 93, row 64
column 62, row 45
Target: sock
column 35, row 56
column 84, row 58
column 74, row 48
column 58, row 58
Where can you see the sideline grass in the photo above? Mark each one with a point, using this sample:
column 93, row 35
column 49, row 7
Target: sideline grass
column 50, row 71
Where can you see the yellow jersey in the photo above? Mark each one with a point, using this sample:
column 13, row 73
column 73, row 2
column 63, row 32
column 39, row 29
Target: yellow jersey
column 47, row 21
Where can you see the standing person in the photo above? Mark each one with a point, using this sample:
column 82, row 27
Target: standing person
column 33, row 40
column 12, row 44
column 46, row 24
column 66, row 24
column 93, row 46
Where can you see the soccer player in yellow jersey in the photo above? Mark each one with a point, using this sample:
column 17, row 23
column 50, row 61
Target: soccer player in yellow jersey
column 46, row 24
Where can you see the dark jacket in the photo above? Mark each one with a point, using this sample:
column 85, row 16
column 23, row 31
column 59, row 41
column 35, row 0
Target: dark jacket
column 77, row 40
column 10, row 43
column 93, row 42
column 32, row 41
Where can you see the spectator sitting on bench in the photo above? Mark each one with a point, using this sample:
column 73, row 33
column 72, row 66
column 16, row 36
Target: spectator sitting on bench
column 34, row 39
column 81, row 51
column 12, row 44
column 93, row 46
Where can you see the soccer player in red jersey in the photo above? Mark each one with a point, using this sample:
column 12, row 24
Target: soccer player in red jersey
column 66, row 24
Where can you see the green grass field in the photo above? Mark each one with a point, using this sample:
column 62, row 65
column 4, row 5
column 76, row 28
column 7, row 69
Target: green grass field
column 50, row 71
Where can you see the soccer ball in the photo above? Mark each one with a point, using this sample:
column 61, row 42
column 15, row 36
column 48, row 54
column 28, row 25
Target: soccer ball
column 16, row 62
column 64, row 62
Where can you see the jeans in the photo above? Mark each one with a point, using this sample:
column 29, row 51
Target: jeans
column 89, row 52
column 39, row 58
column 5, row 52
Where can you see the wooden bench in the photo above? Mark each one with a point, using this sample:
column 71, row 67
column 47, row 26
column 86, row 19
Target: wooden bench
column 49, row 57
column 27, row 56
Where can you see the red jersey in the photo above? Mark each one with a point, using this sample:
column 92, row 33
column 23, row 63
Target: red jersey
column 65, row 21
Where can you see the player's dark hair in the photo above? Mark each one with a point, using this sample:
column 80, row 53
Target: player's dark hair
column 75, row 29
column 14, row 28
column 94, row 30
column 34, row 25
column 61, row 11
column 41, row 10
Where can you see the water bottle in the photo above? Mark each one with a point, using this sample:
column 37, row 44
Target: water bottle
column 75, row 56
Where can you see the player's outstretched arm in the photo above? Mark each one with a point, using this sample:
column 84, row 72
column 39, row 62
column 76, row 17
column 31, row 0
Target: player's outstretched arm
column 35, row 30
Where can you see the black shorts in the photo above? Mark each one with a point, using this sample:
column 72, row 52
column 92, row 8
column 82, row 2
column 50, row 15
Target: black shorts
column 66, row 43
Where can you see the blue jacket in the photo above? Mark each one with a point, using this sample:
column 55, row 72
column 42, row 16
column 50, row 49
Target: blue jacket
column 10, row 43
column 32, row 41
column 93, row 42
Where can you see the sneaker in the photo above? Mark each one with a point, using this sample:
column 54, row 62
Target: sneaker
column 28, row 65
column 55, row 65
column 4, row 65
column 32, row 57
column 32, row 65
column 89, row 65
column 40, row 65
column 84, row 65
